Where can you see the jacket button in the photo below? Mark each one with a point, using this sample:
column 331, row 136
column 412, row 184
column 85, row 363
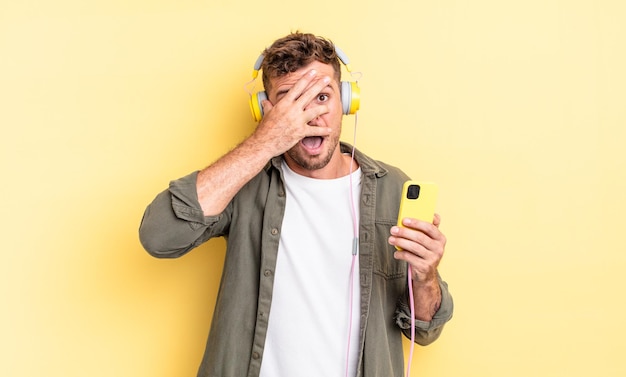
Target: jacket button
column 255, row 355
column 274, row 231
column 267, row 273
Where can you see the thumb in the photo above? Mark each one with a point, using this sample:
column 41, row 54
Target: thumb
column 267, row 106
column 436, row 220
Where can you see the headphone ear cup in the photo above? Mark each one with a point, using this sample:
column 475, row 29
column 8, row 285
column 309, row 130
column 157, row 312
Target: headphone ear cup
column 255, row 105
column 350, row 97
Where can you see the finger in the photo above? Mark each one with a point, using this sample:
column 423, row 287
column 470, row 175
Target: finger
column 315, row 111
column 422, row 267
column 408, row 246
column 318, row 131
column 416, row 255
column 308, row 94
column 301, row 86
column 431, row 230
column 412, row 241
column 418, row 263
column 418, row 242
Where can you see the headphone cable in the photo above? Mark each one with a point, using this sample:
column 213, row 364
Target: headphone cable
column 355, row 245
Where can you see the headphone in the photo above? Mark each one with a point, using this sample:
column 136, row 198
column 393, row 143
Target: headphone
column 350, row 92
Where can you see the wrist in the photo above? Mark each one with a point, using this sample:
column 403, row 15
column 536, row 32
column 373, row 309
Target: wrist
column 259, row 147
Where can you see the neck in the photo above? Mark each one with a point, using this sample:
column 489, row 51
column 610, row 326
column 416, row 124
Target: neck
column 339, row 166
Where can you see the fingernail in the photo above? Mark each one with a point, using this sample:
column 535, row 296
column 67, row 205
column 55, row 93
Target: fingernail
column 312, row 72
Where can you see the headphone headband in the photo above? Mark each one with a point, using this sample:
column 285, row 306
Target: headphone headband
column 257, row 66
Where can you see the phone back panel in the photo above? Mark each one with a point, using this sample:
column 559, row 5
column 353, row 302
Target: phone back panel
column 422, row 207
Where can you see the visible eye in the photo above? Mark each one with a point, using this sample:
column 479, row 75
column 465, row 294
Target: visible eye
column 322, row 97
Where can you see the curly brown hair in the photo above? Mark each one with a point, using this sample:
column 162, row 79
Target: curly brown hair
column 297, row 50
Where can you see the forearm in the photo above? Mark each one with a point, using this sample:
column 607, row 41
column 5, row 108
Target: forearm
column 427, row 299
column 218, row 183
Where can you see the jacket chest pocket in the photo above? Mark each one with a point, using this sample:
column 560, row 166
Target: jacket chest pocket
column 385, row 264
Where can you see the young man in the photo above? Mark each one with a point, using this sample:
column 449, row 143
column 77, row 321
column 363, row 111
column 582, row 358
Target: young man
column 312, row 282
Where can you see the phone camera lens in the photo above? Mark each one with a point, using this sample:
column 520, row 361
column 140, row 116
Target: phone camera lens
column 413, row 192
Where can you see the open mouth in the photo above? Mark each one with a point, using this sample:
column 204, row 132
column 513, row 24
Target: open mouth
column 312, row 143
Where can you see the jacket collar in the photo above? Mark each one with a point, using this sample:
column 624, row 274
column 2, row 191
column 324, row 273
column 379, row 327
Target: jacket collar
column 368, row 166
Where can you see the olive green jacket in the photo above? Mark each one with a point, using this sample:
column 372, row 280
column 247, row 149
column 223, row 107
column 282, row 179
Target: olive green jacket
column 174, row 223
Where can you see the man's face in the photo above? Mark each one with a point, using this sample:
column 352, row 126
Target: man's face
column 314, row 153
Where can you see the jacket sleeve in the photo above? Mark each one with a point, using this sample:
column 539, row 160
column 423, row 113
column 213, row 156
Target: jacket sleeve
column 174, row 223
column 425, row 332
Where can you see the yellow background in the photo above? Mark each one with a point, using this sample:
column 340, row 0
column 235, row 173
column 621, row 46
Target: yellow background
column 515, row 108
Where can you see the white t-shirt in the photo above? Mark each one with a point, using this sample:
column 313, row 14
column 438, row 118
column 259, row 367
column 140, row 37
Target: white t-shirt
column 310, row 314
